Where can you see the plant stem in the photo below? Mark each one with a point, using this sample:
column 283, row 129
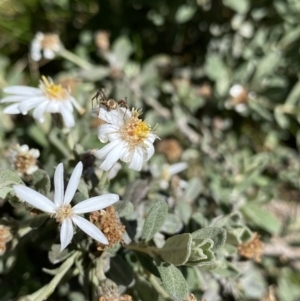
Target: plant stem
column 71, row 57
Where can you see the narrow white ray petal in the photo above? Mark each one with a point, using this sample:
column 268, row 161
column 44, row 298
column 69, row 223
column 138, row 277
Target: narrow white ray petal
column 149, row 150
column 89, row 229
column 40, row 110
column 53, row 106
column 151, row 137
column 59, row 185
column 34, row 198
column 67, row 117
column 12, row 109
column 73, row 183
column 136, row 162
column 49, row 54
column 23, row 90
column 114, row 155
column 95, row 203
column 104, row 151
column 66, row 233
column 177, row 168
column 77, row 106
column 14, row 98
column 29, row 104
column 108, row 131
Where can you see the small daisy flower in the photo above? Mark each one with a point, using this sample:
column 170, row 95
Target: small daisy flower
column 45, row 45
column 24, row 160
column 130, row 138
column 61, row 208
column 47, row 98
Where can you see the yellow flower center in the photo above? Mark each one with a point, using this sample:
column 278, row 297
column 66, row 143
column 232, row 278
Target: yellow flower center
column 63, row 212
column 135, row 130
column 53, row 92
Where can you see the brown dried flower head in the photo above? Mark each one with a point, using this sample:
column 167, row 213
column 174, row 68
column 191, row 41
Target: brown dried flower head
column 102, row 40
column 108, row 222
column 121, row 298
column 5, row 237
column 270, row 296
column 252, row 249
column 23, row 159
column 171, row 148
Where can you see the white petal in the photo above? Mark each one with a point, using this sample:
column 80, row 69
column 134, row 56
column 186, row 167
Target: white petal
column 73, row 183
column 104, row 151
column 66, row 233
column 137, row 159
column 67, row 117
column 53, row 106
column 108, row 131
column 23, row 91
column 59, row 185
column 40, row 110
column 115, row 154
column 34, row 198
column 89, row 229
column 95, row 203
column 12, row 109
column 14, row 98
column 150, row 150
column 49, row 54
column 24, row 148
column 177, row 168
column 236, row 90
column 29, row 104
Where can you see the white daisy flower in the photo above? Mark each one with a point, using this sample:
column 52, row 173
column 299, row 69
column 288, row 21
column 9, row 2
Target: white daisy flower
column 47, row 98
column 170, row 170
column 131, row 139
column 23, row 159
column 45, row 45
column 61, row 208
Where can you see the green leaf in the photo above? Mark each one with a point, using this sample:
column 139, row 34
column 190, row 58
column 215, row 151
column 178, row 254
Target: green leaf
column 215, row 67
column 240, row 6
column 280, row 117
column 83, row 189
column 38, row 220
column 154, row 219
column 267, row 65
column 217, row 235
column 201, row 253
column 41, row 182
column 173, row 281
column 294, row 96
column 147, row 262
column 37, row 135
column 7, row 179
column 172, row 224
column 122, row 49
column 177, row 249
column 262, row 218
column 123, row 208
column 55, row 255
column 193, row 190
column 185, row 13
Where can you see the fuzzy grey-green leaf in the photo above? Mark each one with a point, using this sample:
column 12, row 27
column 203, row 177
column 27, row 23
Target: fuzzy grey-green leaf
column 41, row 182
column 217, row 235
column 177, row 249
column 7, row 179
column 173, row 281
column 154, row 220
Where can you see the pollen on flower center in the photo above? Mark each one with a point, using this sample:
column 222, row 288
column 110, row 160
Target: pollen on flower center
column 53, row 92
column 63, row 212
column 135, row 130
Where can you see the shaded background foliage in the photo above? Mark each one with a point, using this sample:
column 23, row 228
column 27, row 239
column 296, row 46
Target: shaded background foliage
column 242, row 149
